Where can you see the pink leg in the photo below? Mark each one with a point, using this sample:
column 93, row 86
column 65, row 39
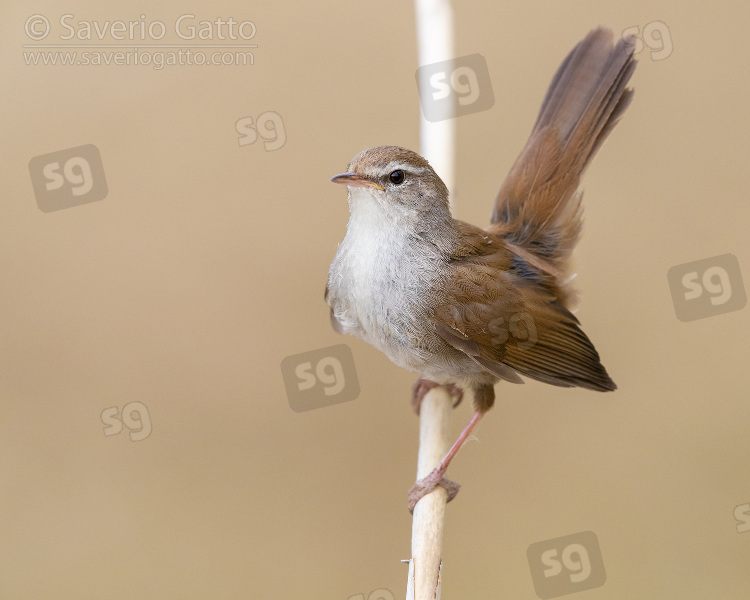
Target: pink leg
column 436, row 477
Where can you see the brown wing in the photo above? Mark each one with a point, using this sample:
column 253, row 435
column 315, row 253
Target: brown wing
column 509, row 323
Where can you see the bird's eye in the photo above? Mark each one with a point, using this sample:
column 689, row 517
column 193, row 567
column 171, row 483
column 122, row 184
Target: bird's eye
column 397, row 177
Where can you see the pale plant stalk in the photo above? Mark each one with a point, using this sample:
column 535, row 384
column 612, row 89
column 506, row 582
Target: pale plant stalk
column 434, row 19
column 425, row 565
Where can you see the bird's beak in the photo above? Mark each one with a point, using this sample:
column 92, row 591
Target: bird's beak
column 355, row 180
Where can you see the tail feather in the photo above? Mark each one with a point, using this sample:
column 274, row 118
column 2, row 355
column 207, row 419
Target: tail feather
column 538, row 209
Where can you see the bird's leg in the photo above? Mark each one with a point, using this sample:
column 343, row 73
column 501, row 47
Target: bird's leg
column 484, row 398
column 422, row 386
column 436, row 477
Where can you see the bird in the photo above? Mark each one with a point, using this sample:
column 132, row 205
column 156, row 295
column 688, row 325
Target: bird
column 463, row 306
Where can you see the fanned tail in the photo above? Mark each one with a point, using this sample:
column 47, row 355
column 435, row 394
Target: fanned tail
column 538, row 208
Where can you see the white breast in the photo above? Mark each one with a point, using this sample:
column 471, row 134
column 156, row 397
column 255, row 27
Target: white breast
column 377, row 287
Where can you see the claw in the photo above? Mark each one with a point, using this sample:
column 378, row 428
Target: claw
column 425, row 485
column 436, row 476
column 422, row 386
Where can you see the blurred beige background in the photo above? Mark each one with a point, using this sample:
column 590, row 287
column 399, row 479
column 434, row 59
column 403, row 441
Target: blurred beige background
column 204, row 267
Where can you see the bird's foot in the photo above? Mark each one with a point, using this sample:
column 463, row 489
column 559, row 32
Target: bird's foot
column 422, row 386
column 437, row 475
column 425, row 485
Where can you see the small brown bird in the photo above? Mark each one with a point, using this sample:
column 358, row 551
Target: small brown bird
column 466, row 307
